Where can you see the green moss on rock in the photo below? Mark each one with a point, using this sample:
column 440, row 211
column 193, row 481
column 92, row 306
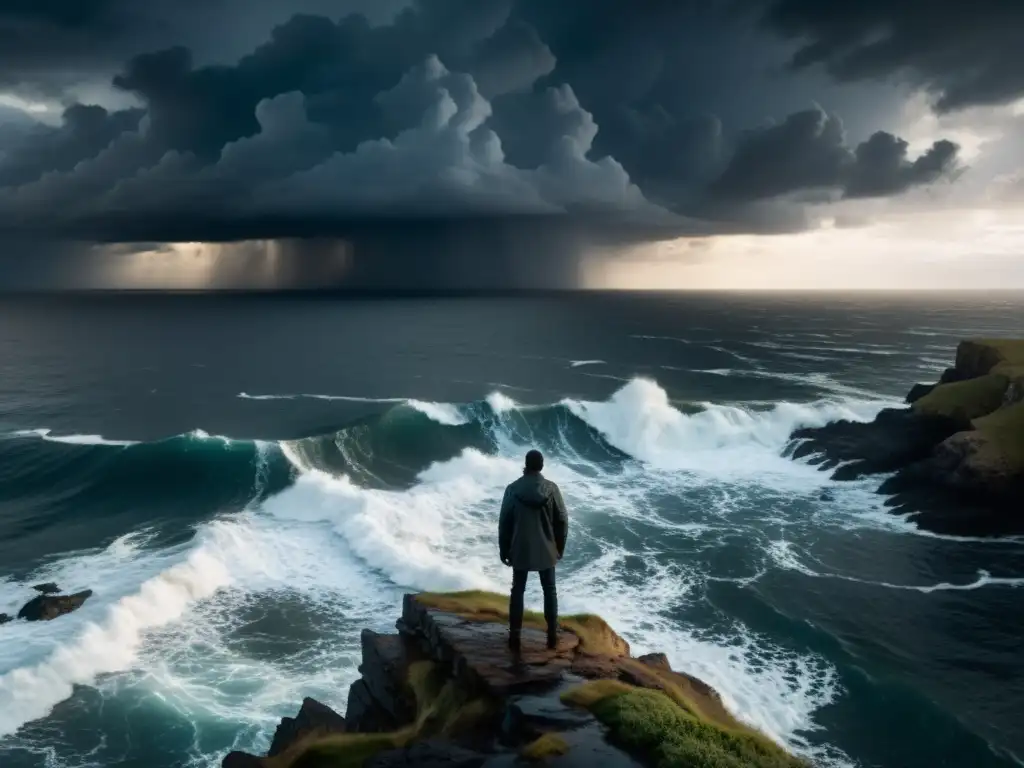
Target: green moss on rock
column 442, row 709
column 548, row 745
column 653, row 726
column 596, row 637
column 965, row 400
column 1004, row 436
column 978, row 357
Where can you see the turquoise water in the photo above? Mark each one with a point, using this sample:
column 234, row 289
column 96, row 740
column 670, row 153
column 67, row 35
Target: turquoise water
column 246, row 483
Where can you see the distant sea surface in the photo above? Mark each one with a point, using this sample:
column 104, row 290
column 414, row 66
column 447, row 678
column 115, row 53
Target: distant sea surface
column 247, row 482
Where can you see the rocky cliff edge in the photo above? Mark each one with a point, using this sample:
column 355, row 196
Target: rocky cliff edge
column 445, row 690
column 956, row 454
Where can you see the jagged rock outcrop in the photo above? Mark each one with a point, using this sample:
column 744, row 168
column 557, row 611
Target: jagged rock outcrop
column 46, row 606
column 445, row 691
column 313, row 719
column 957, row 452
column 896, row 438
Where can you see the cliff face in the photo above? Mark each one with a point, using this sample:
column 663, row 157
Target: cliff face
column 445, row 690
column 958, row 451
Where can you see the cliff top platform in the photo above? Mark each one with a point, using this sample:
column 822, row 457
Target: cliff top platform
column 447, row 691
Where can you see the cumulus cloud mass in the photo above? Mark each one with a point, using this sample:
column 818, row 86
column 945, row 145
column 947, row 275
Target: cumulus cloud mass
column 502, row 136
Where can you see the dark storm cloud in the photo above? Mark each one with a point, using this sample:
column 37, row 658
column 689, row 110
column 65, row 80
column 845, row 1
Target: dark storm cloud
column 476, row 126
column 965, row 53
column 84, row 132
column 48, row 45
column 809, row 151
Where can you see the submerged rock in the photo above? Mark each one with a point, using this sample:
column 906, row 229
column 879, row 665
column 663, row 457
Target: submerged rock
column 46, row 606
column 49, row 588
column 4, row 618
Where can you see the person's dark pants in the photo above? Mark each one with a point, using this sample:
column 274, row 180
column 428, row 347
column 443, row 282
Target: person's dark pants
column 515, row 605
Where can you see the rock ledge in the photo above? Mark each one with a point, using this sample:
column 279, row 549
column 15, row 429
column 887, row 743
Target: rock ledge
column 445, row 691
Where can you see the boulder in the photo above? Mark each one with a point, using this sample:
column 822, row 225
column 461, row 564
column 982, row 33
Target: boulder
column 4, row 618
column 49, row 588
column 313, row 718
column 46, row 607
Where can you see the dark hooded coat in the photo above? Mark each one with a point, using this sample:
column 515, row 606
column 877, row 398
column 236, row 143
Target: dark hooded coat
column 533, row 524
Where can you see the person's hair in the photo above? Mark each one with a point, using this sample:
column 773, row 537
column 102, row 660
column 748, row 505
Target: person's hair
column 534, row 461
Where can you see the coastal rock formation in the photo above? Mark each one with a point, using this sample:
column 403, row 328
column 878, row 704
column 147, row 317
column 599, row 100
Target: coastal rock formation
column 957, row 452
column 314, row 719
column 47, row 606
column 445, row 691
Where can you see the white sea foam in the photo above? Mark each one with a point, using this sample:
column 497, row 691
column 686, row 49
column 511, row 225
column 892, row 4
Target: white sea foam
column 581, row 363
column 501, row 403
column 47, row 434
column 439, row 535
column 784, row 555
column 661, row 338
column 443, row 413
column 308, row 396
column 348, row 552
column 203, row 435
column 103, row 636
column 640, row 420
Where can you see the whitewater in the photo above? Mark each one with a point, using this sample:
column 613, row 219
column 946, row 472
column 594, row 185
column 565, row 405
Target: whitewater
column 348, row 552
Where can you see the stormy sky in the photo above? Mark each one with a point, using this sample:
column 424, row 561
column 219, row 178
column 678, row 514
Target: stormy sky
column 511, row 143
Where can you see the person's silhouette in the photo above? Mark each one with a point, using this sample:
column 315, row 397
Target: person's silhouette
column 532, row 530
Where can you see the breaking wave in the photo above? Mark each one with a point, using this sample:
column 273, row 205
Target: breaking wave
column 338, row 524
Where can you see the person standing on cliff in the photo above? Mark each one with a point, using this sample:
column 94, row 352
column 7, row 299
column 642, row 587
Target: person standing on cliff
column 532, row 529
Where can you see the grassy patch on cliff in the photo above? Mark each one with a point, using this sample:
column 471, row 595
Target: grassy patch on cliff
column 965, row 400
column 697, row 699
column 1004, row 430
column 596, row 637
column 652, row 725
column 442, row 709
column 1008, row 352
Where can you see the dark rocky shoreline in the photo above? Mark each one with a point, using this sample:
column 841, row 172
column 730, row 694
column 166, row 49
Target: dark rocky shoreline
column 956, row 454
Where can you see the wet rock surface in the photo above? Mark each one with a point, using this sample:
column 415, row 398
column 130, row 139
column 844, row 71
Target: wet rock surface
column 428, row 754
column 46, row 607
column 313, row 718
column 896, row 438
column 524, row 690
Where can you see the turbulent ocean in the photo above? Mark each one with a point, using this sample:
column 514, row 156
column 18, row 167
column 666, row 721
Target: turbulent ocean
column 247, row 482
